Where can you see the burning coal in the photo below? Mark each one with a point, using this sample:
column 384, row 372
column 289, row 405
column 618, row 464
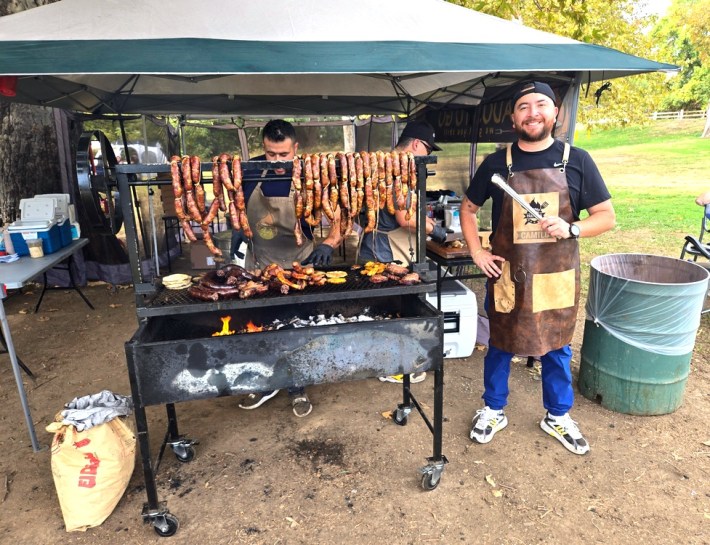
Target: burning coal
column 296, row 322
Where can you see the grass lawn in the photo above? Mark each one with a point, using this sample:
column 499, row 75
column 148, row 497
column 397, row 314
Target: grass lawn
column 654, row 174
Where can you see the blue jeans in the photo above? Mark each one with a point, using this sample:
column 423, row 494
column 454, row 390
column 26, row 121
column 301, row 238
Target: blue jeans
column 557, row 392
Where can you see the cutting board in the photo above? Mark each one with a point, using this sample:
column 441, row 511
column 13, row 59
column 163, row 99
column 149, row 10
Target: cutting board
column 447, row 253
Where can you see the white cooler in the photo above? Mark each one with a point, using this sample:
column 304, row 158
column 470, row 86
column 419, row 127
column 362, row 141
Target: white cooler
column 458, row 303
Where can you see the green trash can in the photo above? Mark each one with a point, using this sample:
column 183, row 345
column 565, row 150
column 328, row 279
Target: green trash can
column 643, row 312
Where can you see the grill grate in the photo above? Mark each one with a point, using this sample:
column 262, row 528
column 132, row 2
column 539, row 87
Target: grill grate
column 355, row 283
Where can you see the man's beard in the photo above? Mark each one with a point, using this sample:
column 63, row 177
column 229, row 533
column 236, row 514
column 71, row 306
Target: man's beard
column 542, row 134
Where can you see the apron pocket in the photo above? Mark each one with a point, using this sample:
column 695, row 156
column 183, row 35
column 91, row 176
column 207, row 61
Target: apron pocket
column 504, row 291
column 553, row 290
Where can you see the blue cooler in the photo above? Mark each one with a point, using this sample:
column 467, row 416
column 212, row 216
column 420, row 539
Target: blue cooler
column 46, row 230
column 64, row 231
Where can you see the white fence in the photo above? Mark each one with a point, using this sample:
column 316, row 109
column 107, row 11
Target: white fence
column 681, row 114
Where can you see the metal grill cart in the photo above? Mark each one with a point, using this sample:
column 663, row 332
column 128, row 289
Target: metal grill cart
column 173, row 357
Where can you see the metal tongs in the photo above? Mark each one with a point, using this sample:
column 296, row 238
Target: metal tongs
column 498, row 180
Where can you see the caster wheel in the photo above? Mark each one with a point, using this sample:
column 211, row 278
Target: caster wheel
column 400, row 417
column 169, row 525
column 187, row 455
column 430, row 482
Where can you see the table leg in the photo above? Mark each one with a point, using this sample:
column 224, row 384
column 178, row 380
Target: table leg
column 19, row 361
column 18, row 377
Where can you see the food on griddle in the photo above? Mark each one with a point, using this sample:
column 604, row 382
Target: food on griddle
column 409, row 279
column 336, row 280
column 336, row 274
column 394, row 268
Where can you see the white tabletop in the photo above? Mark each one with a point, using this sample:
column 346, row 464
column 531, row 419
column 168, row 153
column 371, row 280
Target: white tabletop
column 16, row 274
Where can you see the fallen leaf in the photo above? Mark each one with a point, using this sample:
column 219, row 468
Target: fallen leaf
column 387, row 415
column 115, row 305
column 516, row 359
column 707, row 515
column 489, row 480
column 481, row 347
column 292, row 521
column 479, row 462
column 706, row 443
column 42, row 319
column 497, row 493
column 22, row 311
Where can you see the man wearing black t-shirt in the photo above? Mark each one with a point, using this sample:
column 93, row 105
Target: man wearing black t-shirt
column 533, row 266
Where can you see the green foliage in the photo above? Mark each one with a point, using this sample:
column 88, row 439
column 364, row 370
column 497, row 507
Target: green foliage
column 683, row 38
column 620, row 25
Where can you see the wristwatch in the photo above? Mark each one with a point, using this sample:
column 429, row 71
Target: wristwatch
column 574, row 230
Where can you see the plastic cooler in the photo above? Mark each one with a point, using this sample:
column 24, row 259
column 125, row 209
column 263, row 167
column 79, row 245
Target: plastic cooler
column 458, row 303
column 37, row 222
column 46, row 230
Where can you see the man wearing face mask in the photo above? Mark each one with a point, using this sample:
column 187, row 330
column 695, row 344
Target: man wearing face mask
column 533, row 266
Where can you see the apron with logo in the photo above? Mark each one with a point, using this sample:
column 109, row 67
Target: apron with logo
column 272, row 220
column 533, row 305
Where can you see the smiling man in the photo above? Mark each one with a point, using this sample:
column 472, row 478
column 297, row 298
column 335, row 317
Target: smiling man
column 533, row 266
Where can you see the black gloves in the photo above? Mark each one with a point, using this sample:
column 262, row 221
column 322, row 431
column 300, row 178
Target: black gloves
column 320, row 256
column 237, row 238
column 438, row 234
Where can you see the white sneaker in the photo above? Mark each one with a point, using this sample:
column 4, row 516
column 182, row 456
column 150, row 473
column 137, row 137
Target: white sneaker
column 486, row 423
column 565, row 430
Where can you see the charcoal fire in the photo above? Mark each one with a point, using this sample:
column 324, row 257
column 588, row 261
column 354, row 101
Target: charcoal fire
column 311, row 321
column 225, row 327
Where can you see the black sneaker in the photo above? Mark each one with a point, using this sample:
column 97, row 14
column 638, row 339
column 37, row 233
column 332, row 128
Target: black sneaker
column 257, row 399
column 565, row 430
column 486, row 423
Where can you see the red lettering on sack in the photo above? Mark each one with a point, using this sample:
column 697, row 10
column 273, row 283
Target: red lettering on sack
column 82, row 443
column 88, row 472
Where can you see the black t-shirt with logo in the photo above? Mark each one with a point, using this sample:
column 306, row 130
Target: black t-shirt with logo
column 586, row 185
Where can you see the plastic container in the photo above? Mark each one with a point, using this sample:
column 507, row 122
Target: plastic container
column 35, row 248
column 458, row 303
column 643, row 313
column 452, row 218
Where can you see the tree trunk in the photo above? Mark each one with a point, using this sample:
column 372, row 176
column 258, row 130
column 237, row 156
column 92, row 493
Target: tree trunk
column 706, row 130
column 28, row 144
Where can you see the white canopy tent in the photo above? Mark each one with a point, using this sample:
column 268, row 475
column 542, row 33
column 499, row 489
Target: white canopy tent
column 281, row 57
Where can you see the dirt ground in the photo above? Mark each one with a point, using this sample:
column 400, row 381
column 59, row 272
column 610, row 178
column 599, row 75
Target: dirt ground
column 346, row 474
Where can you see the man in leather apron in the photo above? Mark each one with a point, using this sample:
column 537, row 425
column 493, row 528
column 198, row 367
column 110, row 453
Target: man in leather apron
column 533, row 266
column 272, row 217
column 392, row 239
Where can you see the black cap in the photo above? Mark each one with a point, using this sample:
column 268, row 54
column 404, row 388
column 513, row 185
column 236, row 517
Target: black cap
column 421, row 130
column 534, row 87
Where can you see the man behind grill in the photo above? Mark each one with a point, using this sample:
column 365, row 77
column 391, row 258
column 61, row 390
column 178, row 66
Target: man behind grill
column 271, row 215
column 391, row 240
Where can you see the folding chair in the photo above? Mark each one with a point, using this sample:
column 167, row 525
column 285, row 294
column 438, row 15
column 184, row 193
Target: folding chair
column 696, row 247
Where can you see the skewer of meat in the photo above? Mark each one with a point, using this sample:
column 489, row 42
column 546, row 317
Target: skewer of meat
column 196, row 172
column 175, row 173
column 381, row 184
column 333, row 175
column 237, row 182
column 371, row 204
column 404, row 162
column 298, row 196
column 352, row 185
column 217, row 188
column 224, row 172
column 325, row 183
column 308, row 188
column 397, row 187
column 186, row 172
column 389, row 182
column 317, row 197
column 360, row 186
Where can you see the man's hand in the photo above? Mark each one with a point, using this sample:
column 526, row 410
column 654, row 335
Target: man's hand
column 238, row 237
column 438, row 234
column 320, row 256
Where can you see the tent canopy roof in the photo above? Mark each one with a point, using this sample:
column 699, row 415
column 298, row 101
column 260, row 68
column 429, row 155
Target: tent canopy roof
column 282, row 57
